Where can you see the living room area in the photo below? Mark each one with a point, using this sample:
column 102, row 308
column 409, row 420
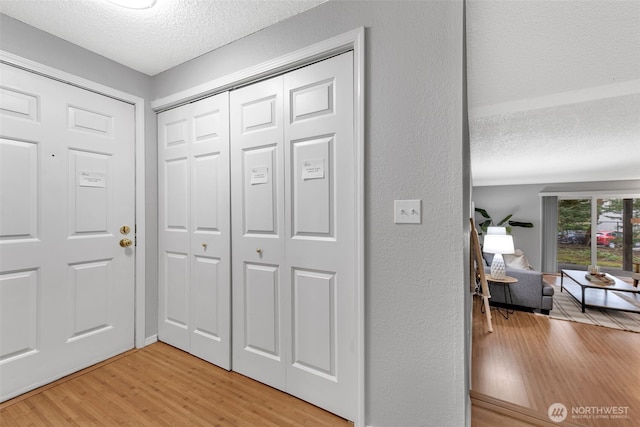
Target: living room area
column 554, row 107
column 563, row 234
column 536, row 358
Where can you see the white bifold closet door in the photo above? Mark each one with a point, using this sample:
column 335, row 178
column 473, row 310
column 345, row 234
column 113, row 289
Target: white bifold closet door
column 194, row 229
column 293, row 181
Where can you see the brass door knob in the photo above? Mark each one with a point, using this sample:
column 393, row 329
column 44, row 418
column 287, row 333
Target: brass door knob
column 125, row 243
column 259, row 251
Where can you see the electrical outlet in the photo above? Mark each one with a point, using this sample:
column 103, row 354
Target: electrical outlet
column 407, row 211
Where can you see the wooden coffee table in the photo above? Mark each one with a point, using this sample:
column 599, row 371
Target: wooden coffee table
column 592, row 293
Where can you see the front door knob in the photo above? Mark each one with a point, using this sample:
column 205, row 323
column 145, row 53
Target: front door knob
column 125, row 243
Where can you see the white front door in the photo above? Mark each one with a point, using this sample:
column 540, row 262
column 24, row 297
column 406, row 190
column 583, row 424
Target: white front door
column 66, row 190
column 293, row 163
column 194, row 235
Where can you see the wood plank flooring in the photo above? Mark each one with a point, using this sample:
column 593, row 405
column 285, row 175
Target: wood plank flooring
column 533, row 361
column 161, row 386
column 529, row 362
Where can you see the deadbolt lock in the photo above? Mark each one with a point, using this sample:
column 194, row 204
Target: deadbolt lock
column 125, row 243
column 125, row 229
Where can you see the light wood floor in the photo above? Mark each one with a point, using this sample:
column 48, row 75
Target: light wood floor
column 526, row 364
column 532, row 361
column 161, row 386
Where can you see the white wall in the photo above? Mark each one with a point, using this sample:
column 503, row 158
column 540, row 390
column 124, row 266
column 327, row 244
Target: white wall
column 31, row 43
column 415, row 284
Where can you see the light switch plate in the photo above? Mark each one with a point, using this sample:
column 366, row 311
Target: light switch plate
column 407, row 211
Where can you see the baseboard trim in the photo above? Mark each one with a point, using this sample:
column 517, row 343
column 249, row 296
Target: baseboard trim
column 150, row 340
column 511, row 410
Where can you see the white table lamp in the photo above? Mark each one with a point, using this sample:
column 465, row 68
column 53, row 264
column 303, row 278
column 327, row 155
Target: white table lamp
column 496, row 230
column 498, row 244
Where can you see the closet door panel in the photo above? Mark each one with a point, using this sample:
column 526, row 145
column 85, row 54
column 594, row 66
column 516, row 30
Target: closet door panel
column 210, row 232
column 257, row 210
column 176, row 289
column 320, row 218
column 259, row 196
column 174, row 134
column 194, row 235
column 314, row 335
column 206, row 168
column 262, row 325
column 176, row 171
column 313, row 188
column 294, row 220
column 205, row 310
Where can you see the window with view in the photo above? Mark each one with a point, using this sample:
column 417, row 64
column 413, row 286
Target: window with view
column 614, row 245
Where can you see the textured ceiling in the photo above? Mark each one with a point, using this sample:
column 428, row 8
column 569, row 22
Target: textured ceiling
column 554, row 91
column 587, row 141
column 156, row 39
column 553, row 86
column 525, row 49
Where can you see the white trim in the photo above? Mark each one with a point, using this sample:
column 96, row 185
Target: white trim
column 595, row 93
column 150, row 340
column 138, row 103
column 620, row 194
column 621, row 189
column 305, row 56
column 359, row 128
column 355, row 41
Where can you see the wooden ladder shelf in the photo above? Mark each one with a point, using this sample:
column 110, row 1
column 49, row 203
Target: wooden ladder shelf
column 478, row 269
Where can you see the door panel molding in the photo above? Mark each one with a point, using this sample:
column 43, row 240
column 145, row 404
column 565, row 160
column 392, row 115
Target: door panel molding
column 138, row 103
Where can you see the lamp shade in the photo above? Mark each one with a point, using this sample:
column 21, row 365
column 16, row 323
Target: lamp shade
column 496, row 230
column 498, row 244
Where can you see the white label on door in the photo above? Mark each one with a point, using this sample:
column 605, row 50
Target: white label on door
column 259, row 175
column 91, row 179
column 313, row 169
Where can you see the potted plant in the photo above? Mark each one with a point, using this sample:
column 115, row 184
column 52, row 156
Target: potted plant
column 488, row 222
